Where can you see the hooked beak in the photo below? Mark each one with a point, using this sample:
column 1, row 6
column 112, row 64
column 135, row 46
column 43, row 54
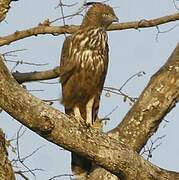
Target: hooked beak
column 115, row 19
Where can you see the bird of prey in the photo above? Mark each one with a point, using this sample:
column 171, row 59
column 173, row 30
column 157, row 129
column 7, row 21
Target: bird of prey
column 83, row 67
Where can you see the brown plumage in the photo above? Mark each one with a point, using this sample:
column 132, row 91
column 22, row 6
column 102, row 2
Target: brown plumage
column 4, row 7
column 83, row 67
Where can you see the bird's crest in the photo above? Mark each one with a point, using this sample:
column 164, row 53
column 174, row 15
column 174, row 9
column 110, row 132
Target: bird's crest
column 98, row 15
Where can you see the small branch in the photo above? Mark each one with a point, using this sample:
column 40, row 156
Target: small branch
column 11, row 53
column 151, row 146
column 65, row 5
column 36, row 76
column 18, row 153
column 22, row 173
column 44, row 28
column 61, row 175
column 21, row 160
column 25, row 62
column 40, row 29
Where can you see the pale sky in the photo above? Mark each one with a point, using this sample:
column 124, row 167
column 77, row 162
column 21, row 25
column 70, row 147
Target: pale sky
column 131, row 51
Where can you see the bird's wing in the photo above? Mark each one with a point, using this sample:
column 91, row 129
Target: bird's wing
column 70, row 59
column 65, row 64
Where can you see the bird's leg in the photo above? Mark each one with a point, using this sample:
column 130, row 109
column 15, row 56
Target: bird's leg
column 77, row 114
column 89, row 112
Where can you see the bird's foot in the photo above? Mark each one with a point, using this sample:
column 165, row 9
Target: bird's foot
column 98, row 124
column 89, row 123
column 80, row 120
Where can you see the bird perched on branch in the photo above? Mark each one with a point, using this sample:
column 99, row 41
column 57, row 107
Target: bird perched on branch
column 83, row 68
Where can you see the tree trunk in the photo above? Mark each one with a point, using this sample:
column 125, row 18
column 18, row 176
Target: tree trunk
column 6, row 171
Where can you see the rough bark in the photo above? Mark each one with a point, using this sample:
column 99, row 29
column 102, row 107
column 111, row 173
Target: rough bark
column 58, row 128
column 6, row 171
column 138, row 125
column 157, row 99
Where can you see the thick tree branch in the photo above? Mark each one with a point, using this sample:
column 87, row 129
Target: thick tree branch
column 6, row 171
column 155, row 102
column 157, row 99
column 53, row 74
column 44, row 28
column 66, row 132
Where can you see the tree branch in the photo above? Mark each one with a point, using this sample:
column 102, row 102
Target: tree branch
column 69, row 134
column 45, row 28
column 157, row 99
column 155, row 102
column 36, row 76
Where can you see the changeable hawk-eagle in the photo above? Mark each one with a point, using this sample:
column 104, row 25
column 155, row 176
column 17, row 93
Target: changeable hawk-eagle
column 83, row 67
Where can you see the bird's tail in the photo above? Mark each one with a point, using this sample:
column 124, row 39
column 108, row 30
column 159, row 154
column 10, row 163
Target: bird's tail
column 80, row 166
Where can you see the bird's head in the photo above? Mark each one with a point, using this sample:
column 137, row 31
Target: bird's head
column 100, row 15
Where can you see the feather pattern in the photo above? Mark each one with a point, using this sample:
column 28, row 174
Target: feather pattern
column 83, row 68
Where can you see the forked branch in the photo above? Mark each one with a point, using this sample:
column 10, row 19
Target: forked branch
column 66, row 132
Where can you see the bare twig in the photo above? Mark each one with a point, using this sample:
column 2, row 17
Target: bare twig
column 60, row 176
column 21, row 173
column 18, row 152
column 25, row 62
column 175, row 5
column 50, row 100
column 10, row 53
column 76, row 13
column 140, row 73
column 22, row 160
column 116, row 91
column 165, row 31
column 119, row 91
column 62, row 12
column 65, row 5
column 151, row 146
column 49, row 82
column 106, row 117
